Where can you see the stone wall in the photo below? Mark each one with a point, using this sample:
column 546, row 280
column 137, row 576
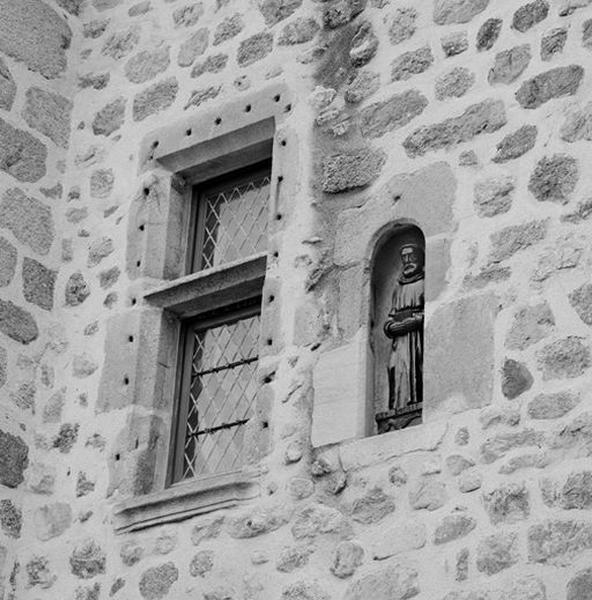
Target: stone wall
column 469, row 118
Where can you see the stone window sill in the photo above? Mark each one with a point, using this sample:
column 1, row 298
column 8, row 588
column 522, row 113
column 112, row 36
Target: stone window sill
column 186, row 500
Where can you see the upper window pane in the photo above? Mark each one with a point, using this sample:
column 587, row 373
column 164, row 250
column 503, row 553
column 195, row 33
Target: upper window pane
column 232, row 220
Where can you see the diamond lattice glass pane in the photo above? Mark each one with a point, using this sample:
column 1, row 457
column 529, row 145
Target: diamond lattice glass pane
column 234, row 223
column 221, row 396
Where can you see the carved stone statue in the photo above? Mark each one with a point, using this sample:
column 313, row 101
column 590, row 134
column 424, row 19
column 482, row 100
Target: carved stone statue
column 404, row 326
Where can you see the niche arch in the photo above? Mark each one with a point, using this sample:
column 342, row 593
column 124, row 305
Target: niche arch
column 396, row 331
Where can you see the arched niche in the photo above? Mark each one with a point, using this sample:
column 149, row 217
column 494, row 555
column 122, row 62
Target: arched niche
column 396, row 327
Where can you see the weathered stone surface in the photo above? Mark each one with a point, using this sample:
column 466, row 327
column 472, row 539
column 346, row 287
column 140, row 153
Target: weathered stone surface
column 554, row 179
column 557, row 542
column 52, row 520
column 83, row 366
column 201, row 564
column 507, row 504
column 17, row 323
column 193, row 47
column 581, row 301
column 110, row 118
column 156, row 582
column 8, row 256
column 298, row 31
column 274, row 11
column 497, row 552
column 553, row 405
column 516, row 144
column 87, row 560
column 516, row 379
column 38, row 283
column 448, row 12
column 372, row 507
column 493, row 196
column 84, row 486
column 530, row 325
column 587, row 34
column 292, row 558
column 362, row 86
column 454, row 43
column 254, row 48
column 24, row 396
column 212, row 64
column 456, row 464
column 391, row 582
column 39, row 573
column 33, row 33
column 299, row 590
column 14, row 459
column 103, row 5
column 411, row 63
column 553, row 42
column 556, row 83
column 11, row 518
column 320, row 520
column 577, row 124
column 564, row 359
column 50, row 114
column 256, row 522
column 147, row 64
column 397, row 476
column 564, row 253
column 488, row 34
column 348, row 556
column 121, row 43
column 228, row 28
column 350, row 170
column 381, row 117
column 530, row 14
column 21, row 155
column 363, row 45
column 95, row 29
column 402, row 24
column 579, row 586
column 398, row 539
column 511, row 239
column 198, row 97
column 3, row 367
column 454, row 527
column 454, row 83
column 97, row 81
column 77, row 290
column 582, row 212
column 342, row 12
column 485, row 117
column 7, row 87
column 109, row 277
column 52, row 411
column 510, row 64
column 66, row 438
column 499, row 415
column 188, row 15
column 159, row 96
column 428, row 493
column 450, row 383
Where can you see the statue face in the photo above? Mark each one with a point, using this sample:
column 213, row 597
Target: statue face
column 412, row 259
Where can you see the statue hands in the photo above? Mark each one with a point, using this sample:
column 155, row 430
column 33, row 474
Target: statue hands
column 411, row 321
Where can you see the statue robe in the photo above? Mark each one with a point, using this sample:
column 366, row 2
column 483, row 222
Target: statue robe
column 406, row 359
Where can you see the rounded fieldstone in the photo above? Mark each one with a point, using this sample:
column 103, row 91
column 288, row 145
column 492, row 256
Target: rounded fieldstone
column 448, row 12
column 493, row 196
column 228, row 28
column 374, row 506
column 298, row 31
column 516, row 379
column 50, row 114
column 292, row 558
column 146, row 65
column 553, row 42
column 510, row 64
column 552, row 406
column 556, row 83
column 579, row 587
column 530, row 14
column 564, row 359
column 83, row 366
column 8, row 255
column 488, row 34
column 454, row 43
column 428, row 493
column 254, row 48
column 457, row 464
column 402, row 24
column 454, row 83
column 497, row 552
column 454, row 527
column 350, row 170
column 38, row 283
column 201, row 564
column 110, row 118
column 156, row 582
column 363, row 45
column 88, row 560
column 193, row 47
column 189, row 15
column 14, row 459
column 21, row 155
column 11, row 519
column 554, row 179
column 362, row 86
column 530, row 325
column 348, row 556
column 121, row 43
column 382, row 117
column 212, row 64
column 507, row 504
column 17, row 323
column 77, row 290
column 581, row 301
column 7, row 87
column 155, row 98
column 511, row 239
column 385, row 583
column 516, row 144
column 411, row 63
column 274, row 11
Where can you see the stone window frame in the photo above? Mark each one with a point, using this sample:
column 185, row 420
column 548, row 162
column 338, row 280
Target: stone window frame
column 343, row 410
column 174, row 160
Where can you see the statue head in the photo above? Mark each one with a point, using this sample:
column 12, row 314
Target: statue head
column 412, row 259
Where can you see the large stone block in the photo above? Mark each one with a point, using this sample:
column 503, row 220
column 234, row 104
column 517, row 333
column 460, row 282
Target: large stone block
column 21, row 155
column 510, row 64
column 353, row 169
column 556, row 83
column 455, row 331
column 14, row 459
column 530, row 14
column 33, row 33
column 486, row 117
column 382, row 117
column 50, row 114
